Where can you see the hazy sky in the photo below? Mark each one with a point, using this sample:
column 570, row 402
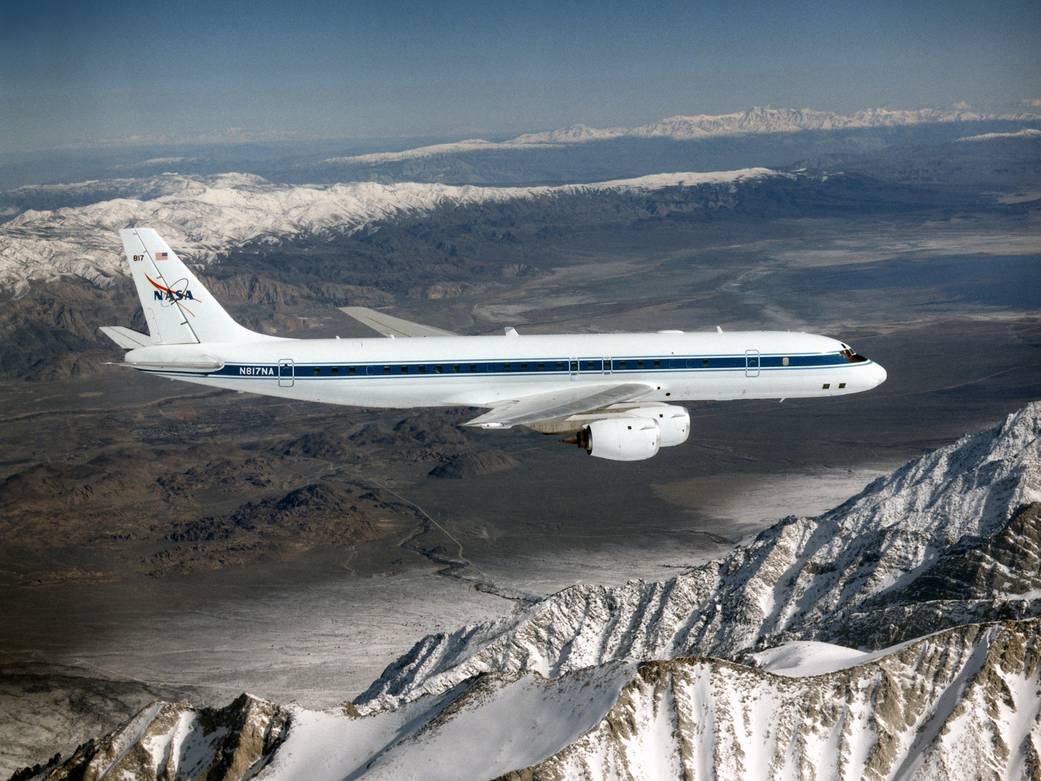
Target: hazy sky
column 84, row 72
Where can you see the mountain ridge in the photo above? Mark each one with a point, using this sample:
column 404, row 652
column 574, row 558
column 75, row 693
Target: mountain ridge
column 950, row 704
column 788, row 583
column 204, row 216
column 693, row 127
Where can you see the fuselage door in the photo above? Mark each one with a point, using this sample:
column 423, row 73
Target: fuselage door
column 285, row 373
column 751, row 363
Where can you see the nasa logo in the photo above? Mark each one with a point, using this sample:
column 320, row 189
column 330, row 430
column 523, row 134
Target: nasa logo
column 171, row 294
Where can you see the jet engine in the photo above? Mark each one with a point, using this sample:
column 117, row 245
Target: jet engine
column 620, row 439
column 673, row 421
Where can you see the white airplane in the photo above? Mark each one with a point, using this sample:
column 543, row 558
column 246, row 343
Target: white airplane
column 614, row 393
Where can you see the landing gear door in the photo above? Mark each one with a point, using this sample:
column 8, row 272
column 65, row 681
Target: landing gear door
column 285, row 373
column 751, row 363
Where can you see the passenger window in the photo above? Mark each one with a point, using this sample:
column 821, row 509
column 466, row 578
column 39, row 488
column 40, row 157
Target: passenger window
column 826, row 386
column 784, row 361
column 657, row 364
column 335, row 370
column 541, row 367
column 704, row 363
column 439, row 368
column 422, row 369
column 473, row 367
column 455, row 368
column 386, row 370
column 317, row 372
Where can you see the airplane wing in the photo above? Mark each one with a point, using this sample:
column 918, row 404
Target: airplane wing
column 558, row 404
column 391, row 326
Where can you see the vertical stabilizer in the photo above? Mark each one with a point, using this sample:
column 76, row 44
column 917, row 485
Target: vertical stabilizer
column 178, row 309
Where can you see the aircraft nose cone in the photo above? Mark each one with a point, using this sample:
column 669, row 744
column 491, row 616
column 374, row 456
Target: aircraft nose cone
column 880, row 374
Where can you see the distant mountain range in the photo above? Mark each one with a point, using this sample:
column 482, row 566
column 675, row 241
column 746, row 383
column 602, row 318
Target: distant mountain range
column 894, row 636
column 203, row 216
column 754, row 121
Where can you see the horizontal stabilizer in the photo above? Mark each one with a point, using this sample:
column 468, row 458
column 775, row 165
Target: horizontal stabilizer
column 555, row 405
column 389, row 325
column 125, row 338
column 201, row 365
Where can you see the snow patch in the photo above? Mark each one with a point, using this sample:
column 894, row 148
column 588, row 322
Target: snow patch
column 806, row 658
column 433, row 150
column 1028, row 132
column 481, row 730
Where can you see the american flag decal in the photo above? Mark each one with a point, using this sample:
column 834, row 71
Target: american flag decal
column 161, row 255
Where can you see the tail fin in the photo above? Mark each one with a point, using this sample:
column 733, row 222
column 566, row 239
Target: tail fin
column 178, row 309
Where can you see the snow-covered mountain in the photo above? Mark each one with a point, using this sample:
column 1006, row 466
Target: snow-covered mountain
column 1025, row 133
column 961, row 704
column 958, row 704
column 174, row 740
column 761, row 120
column 947, row 539
column 894, row 637
column 431, row 150
column 758, row 120
column 205, row 216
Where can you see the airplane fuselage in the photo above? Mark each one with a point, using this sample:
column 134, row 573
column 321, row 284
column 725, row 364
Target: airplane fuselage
column 481, row 371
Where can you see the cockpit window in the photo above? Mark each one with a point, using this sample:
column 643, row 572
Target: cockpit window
column 852, row 356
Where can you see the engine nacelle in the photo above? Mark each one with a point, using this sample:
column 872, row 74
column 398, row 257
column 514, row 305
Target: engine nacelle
column 673, row 421
column 621, row 438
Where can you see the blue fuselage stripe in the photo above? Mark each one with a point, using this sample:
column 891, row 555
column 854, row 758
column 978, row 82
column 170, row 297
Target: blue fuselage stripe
column 537, row 366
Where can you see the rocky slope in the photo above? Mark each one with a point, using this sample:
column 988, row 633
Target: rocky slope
column 62, row 707
column 961, row 704
column 174, row 740
column 951, row 705
column 874, row 571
